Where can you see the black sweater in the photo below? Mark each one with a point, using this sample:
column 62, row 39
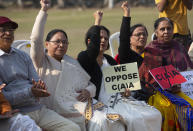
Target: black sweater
column 127, row 55
column 88, row 60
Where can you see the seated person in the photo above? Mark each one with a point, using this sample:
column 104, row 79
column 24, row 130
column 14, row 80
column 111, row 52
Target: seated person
column 19, row 122
column 174, row 105
column 17, row 72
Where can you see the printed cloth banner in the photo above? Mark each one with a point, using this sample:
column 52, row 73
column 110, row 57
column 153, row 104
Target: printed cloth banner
column 187, row 87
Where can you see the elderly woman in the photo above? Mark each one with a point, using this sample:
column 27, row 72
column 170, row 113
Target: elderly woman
column 132, row 41
column 68, row 83
column 175, row 106
column 131, row 49
column 137, row 115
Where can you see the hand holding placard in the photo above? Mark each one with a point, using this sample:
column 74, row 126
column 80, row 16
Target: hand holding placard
column 120, row 77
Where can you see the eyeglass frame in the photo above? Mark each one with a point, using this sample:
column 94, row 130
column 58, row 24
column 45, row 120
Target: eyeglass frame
column 58, row 42
column 4, row 30
column 139, row 34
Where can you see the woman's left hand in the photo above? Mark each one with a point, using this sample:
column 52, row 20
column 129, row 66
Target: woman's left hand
column 84, row 95
column 175, row 88
column 127, row 93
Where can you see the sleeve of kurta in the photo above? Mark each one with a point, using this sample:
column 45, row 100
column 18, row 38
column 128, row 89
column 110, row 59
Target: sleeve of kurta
column 126, row 54
column 124, row 47
column 37, row 48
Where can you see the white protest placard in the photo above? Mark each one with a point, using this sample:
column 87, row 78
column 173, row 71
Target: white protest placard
column 187, row 87
column 119, row 77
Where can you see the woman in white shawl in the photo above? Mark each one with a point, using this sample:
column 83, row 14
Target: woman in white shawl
column 68, row 84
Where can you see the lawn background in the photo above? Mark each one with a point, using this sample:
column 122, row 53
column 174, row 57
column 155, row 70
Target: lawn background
column 76, row 22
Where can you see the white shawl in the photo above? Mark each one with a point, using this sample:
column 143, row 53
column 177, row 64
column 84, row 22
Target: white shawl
column 72, row 78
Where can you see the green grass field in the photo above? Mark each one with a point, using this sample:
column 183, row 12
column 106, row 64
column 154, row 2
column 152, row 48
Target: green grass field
column 76, row 22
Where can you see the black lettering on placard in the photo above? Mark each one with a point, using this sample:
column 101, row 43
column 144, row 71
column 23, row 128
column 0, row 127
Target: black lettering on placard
column 129, row 76
column 117, row 69
column 131, row 85
column 124, row 77
column 121, row 77
column 175, row 73
column 158, row 77
column 120, row 68
column 113, row 78
column 122, row 86
column 107, row 79
column 114, row 87
column 118, row 77
column 162, row 76
column 171, row 74
column 166, row 75
column 135, row 75
column 124, row 68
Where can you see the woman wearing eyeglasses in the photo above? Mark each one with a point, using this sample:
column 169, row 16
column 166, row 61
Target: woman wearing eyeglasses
column 175, row 106
column 132, row 40
column 67, row 82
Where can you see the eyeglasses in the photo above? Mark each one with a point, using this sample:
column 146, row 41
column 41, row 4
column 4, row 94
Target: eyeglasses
column 139, row 34
column 57, row 42
column 3, row 30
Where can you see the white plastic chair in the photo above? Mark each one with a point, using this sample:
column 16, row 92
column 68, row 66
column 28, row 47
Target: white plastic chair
column 152, row 36
column 114, row 36
column 23, row 45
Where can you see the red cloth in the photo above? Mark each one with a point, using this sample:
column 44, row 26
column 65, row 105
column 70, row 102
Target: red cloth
column 117, row 59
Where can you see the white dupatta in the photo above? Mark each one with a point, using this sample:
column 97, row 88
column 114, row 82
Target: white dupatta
column 72, row 78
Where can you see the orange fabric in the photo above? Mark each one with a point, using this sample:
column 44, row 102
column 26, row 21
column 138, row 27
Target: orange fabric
column 4, row 105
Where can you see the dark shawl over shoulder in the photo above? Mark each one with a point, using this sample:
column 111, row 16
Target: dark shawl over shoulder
column 87, row 60
column 160, row 54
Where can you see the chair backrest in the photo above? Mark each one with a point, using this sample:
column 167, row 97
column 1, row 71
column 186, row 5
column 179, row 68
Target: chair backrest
column 23, row 45
column 114, row 36
column 153, row 36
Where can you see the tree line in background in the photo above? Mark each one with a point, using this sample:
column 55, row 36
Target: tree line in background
column 73, row 3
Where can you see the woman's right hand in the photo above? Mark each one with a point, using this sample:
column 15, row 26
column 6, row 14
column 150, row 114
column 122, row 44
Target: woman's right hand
column 98, row 17
column 126, row 9
column 44, row 5
column 127, row 93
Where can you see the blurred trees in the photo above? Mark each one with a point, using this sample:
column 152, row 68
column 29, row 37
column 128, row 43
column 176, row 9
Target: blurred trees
column 73, row 3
